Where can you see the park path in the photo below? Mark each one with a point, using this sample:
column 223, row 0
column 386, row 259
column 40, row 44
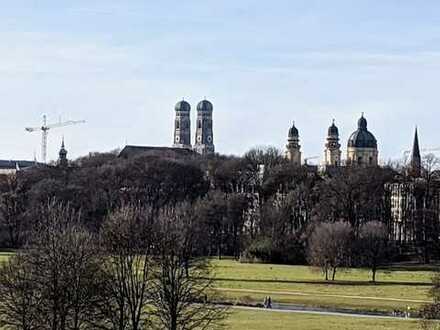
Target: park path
column 299, row 293
column 284, row 308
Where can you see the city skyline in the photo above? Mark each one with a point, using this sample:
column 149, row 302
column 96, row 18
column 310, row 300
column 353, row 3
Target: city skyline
column 123, row 67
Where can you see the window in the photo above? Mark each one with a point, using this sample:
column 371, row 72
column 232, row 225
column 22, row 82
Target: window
column 177, row 124
column 199, row 124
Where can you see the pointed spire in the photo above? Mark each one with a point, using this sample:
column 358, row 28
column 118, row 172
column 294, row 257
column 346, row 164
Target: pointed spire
column 416, row 159
column 416, row 147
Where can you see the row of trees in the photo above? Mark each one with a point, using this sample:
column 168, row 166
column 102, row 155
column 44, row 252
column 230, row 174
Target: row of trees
column 257, row 207
column 140, row 271
column 333, row 246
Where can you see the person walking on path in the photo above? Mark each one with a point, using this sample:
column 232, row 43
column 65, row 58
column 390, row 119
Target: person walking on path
column 269, row 302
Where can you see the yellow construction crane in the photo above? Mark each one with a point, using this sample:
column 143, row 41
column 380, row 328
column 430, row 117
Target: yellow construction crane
column 44, row 131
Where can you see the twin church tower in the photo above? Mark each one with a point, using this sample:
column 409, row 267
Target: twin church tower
column 361, row 147
column 204, row 141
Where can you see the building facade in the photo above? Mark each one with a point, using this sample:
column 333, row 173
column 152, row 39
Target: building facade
column 332, row 153
column 415, row 201
column 182, row 125
column 362, row 146
column 204, row 136
column 293, row 148
column 204, row 143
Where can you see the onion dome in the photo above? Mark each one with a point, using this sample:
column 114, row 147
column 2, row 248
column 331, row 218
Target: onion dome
column 204, row 106
column 333, row 130
column 362, row 138
column 293, row 131
column 183, row 106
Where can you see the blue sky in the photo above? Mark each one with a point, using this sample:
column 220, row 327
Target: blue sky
column 122, row 65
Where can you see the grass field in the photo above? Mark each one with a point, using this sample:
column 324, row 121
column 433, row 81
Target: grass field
column 397, row 287
column 243, row 320
column 5, row 255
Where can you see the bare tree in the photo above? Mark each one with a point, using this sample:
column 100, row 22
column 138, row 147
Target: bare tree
column 427, row 218
column 20, row 299
column 182, row 281
column 373, row 239
column 12, row 210
column 430, row 313
column 126, row 267
column 52, row 284
column 329, row 247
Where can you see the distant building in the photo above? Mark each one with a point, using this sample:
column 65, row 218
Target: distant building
column 415, row 201
column 204, row 143
column 130, row 151
column 204, row 137
column 182, row 125
column 332, row 153
column 62, row 160
column 293, row 148
column 10, row 167
column 362, row 147
column 182, row 147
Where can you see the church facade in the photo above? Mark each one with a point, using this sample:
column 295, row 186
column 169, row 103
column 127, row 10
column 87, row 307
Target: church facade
column 362, row 148
column 413, row 196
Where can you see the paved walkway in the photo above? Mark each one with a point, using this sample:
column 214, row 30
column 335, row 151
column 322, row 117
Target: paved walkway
column 299, row 293
column 292, row 309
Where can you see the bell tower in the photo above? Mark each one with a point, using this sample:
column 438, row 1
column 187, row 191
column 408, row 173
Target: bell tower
column 332, row 154
column 62, row 160
column 293, row 149
column 204, row 133
column 182, row 125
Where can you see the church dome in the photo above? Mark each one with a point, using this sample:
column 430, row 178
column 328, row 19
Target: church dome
column 205, row 106
column 362, row 138
column 333, row 130
column 183, row 106
column 293, row 131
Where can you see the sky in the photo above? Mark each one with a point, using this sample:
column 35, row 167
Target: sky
column 121, row 65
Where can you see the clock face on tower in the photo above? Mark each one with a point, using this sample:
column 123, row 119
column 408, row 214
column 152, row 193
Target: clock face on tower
column 177, row 139
column 209, row 139
column 199, row 139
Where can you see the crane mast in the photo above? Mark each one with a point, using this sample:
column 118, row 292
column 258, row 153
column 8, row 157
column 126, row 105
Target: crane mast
column 45, row 130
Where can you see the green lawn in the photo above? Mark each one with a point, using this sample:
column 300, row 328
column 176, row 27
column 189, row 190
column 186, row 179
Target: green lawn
column 242, row 320
column 5, row 255
column 397, row 288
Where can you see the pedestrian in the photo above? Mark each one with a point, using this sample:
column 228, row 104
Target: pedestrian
column 269, row 302
column 265, row 302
